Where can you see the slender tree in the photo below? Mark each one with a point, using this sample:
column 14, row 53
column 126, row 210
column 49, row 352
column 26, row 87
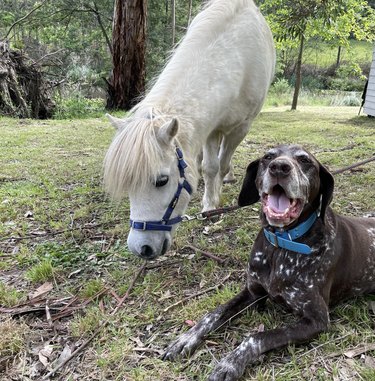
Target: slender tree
column 295, row 21
column 127, row 81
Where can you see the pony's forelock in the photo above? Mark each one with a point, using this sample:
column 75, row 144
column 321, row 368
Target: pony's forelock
column 134, row 157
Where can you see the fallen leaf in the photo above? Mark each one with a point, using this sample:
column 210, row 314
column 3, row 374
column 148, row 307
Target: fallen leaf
column 63, row 356
column 138, row 341
column 44, row 354
column 165, row 296
column 43, row 289
column 261, row 328
column 190, row 323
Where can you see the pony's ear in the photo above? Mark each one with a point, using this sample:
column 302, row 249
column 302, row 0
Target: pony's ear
column 117, row 123
column 327, row 184
column 168, row 131
column 249, row 193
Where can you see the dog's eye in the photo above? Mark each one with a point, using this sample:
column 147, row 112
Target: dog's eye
column 161, row 181
column 304, row 159
column 268, row 156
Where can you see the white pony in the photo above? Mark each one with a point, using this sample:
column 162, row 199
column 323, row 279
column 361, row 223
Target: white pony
column 206, row 98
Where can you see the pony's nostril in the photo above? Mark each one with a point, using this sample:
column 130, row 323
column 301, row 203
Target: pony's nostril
column 147, row 251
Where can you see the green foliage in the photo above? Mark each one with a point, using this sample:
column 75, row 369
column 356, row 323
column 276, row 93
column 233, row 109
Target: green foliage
column 328, row 19
column 78, row 107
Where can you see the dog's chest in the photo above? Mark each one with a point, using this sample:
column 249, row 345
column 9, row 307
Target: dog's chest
column 286, row 276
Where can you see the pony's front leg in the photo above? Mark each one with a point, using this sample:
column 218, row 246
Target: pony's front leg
column 210, row 171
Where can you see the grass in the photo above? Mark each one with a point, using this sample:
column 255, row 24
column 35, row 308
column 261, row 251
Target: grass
column 321, row 54
column 51, row 183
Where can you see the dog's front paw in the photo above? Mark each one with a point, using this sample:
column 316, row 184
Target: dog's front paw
column 226, row 370
column 184, row 346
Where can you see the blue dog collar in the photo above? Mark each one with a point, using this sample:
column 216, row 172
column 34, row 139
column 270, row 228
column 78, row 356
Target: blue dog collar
column 285, row 239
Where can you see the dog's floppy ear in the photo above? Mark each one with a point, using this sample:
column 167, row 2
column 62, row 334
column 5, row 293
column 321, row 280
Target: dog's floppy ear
column 326, row 189
column 249, row 193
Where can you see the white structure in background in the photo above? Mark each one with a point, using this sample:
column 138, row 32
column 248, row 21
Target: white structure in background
column 369, row 107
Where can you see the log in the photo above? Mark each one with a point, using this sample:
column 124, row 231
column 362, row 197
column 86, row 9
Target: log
column 23, row 91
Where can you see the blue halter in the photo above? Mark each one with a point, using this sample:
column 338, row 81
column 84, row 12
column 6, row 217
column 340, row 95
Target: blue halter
column 166, row 223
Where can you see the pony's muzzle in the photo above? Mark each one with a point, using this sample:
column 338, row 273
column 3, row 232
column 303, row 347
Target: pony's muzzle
column 148, row 245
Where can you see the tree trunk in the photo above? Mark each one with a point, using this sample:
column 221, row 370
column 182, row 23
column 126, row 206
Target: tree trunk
column 338, row 59
column 297, row 86
column 173, row 9
column 127, row 81
column 190, row 11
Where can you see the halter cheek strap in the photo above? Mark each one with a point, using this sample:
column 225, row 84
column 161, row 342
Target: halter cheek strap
column 166, row 223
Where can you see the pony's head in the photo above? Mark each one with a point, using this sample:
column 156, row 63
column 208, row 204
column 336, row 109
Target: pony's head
column 142, row 163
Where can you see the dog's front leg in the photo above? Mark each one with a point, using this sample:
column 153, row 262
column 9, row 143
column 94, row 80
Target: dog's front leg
column 188, row 342
column 231, row 368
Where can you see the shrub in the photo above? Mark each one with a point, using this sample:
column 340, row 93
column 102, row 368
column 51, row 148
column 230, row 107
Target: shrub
column 281, row 86
column 78, row 107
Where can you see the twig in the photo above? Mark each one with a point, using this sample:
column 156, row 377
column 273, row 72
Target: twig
column 24, row 18
column 322, row 345
column 207, row 254
column 47, row 55
column 197, row 294
column 341, row 170
column 122, row 300
column 99, row 328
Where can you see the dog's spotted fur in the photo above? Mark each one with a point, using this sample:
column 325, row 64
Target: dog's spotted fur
column 341, row 265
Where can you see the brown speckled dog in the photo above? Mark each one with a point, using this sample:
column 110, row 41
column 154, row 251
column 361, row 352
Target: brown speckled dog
column 306, row 257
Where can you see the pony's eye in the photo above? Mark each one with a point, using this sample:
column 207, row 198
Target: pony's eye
column 161, row 181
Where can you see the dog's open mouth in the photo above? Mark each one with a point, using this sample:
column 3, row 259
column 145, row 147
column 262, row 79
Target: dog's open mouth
column 279, row 209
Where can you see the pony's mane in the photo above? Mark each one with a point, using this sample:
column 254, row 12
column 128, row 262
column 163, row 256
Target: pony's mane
column 134, row 156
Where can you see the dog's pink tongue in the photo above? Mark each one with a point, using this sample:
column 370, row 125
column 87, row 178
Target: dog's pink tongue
column 279, row 202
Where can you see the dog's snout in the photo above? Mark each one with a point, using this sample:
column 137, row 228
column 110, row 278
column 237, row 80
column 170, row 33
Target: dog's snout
column 147, row 252
column 280, row 168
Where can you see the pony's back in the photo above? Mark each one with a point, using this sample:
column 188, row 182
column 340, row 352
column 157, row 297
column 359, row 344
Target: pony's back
column 225, row 58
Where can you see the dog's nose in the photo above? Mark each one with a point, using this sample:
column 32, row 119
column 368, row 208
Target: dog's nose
column 280, row 168
column 147, row 252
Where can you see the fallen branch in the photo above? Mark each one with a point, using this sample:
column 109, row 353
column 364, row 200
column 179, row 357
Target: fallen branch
column 355, row 165
column 198, row 294
column 207, row 254
column 99, row 328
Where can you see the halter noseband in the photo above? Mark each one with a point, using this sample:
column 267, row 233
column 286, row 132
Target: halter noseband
column 165, row 224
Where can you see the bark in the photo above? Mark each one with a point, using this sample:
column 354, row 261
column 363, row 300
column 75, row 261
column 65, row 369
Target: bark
column 297, row 86
column 127, row 81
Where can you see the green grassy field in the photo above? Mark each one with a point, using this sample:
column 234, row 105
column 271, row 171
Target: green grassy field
column 323, row 55
column 58, row 230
